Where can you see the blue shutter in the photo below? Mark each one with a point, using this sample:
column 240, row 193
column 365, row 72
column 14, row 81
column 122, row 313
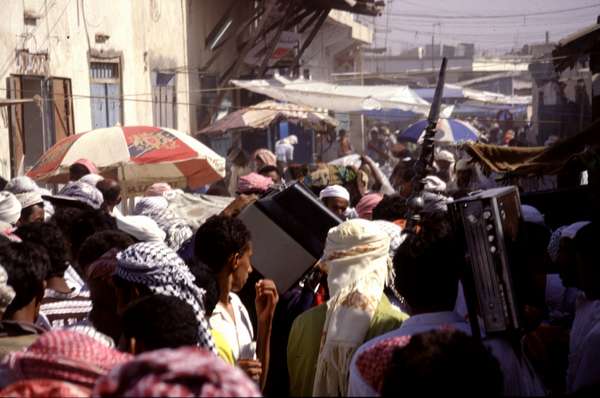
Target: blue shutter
column 99, row 111
column 113, row 93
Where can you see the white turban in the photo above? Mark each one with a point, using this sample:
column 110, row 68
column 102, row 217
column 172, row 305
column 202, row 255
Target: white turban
column 91, row 179
column 150, row 204
column 571, row 231
column 7, row 293
column 434, row 184
column 10, row 208
column 29, row 199
column 335, row 191
column 446, row 156
column 532, row 215
column 21, row 184
column 142, row 228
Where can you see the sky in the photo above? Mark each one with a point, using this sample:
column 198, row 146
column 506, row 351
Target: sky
column 494, row 26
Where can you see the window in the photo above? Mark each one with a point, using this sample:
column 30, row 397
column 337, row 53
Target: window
column 34, row 127
column 106, row 94
column 164, row 100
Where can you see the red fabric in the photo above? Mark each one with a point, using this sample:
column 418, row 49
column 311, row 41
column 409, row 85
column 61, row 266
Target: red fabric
column 88, row 164
column 65, row 356
column 374, row 362
column 184, row 372
column 367, row 203
column 53, row 157
column 153, row 145
column 43, row 388
column 254, row 183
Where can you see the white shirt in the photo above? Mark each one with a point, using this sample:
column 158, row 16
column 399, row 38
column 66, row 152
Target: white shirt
column 284, row 152
column 584, row 346
column 358, row 387
column 519, row 377
column 238, row 331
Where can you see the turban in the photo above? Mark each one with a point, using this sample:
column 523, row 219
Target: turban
column 10, row 208
column 7, row 293
column 177, row 230
column 142, row 228
column 21, row 184
column 88, row 165
column 91, row 179
column 445, row 156
column 254, row 183
column 182, row 372
column 44, row 388
column 335, row 191
column 357, row 258
column 532, row 215
column 77, row 193
column 571, row 231
column 434, row 184
column 28, row 199
column 265, row 156
column 554, row 243
column 161, row 270
column 158, row 189
column 65, row 355
column 367, row 203
column 150, row 204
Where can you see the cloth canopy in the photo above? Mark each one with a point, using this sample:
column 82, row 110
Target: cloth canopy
column 535, row 160
column 338, row 98
column 264, row 114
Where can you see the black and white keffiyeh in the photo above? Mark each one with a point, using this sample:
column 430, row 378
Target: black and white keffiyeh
column 160, row 269
column 176, row 229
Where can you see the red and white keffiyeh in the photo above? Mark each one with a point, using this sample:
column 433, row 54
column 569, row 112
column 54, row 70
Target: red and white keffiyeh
column 183, row 372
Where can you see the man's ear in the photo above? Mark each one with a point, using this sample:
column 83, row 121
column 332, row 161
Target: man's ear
column 234, row 261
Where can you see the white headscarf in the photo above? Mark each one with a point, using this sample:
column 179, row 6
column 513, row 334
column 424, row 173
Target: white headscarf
column 21, row 184
column 532, row 215
column 356, row 256
column 335, row 191
column 571, row 231
column 28, row 199
column 142, row 228
column 10, row 208
column 7, row 293
column 91, row 179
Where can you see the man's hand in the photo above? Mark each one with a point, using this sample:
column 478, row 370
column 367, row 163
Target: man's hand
column 252, row 368
column 239, row 204
column 266, row 300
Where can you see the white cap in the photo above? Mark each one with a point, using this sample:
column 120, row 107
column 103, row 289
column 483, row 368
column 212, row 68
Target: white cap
column 335, row 191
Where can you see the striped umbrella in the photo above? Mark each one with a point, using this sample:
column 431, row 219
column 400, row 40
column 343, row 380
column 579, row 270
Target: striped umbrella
column 448, row 130
column 137, row 156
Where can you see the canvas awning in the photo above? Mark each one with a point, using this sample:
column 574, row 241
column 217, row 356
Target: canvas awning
column 452, row 91
column 575, row 45
column 262, row 115
column 338, row 98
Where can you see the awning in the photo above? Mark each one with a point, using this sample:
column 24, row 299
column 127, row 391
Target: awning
column 452, row 91
column 529, row 161
column 575, row 45
column 338, row 98
column 262, row 115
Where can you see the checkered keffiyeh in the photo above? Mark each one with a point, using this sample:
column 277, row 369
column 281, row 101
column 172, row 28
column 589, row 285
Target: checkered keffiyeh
column 183, row 372
column 176, row 229
column 374, row 362
column 44, row 388
column 161, row 270
column 65, row 355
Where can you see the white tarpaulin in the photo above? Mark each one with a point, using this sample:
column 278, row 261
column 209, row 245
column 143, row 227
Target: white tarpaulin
column 337, row 98
column 452, row 91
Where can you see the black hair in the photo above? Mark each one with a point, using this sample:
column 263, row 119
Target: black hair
column 3, row 183
column 26, row 265
column 111, row 190
column 586, row 240
column 159, row 321
column 391, row 208
column 50, row 237
column 86, row 224
column 428, row 266
column 205, row 278
column 27, row 211
column 265, row 170
column 99, row 243
column 218, row 239
column 218, row 189
column 440, row 363
column 77, row 170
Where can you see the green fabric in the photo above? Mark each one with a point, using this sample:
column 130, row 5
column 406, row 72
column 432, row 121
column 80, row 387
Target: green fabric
column 305, row 340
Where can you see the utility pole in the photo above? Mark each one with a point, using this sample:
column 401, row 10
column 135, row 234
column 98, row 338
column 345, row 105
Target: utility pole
column 432, row 47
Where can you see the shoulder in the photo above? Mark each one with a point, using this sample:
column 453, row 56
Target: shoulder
column 310, row 320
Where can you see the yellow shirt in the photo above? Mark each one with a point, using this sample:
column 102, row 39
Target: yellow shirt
column 305, row 339
column 223, row 348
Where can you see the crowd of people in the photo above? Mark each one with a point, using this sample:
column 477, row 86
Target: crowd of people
column 97, row 303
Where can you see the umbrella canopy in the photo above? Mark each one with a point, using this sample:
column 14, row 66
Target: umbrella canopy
column 448, row 130
column 137, row 156
column 262, row 115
